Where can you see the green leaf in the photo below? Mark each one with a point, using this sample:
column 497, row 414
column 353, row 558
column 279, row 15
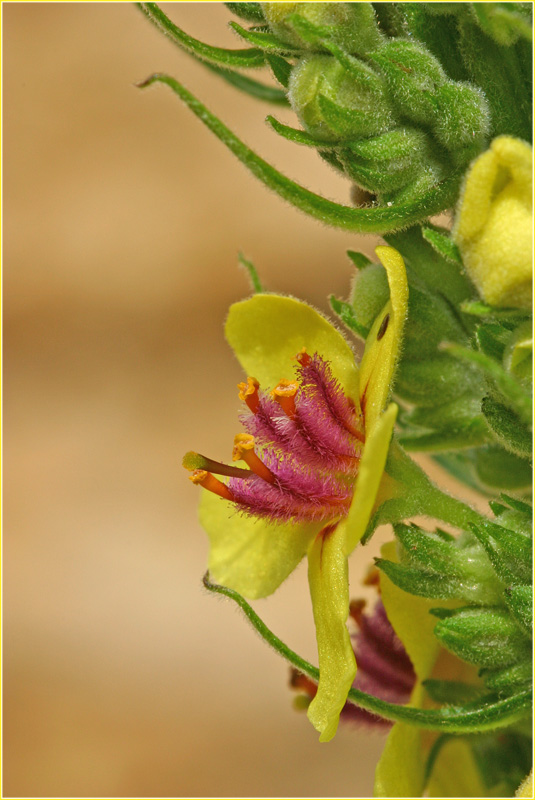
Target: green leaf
column 216, row 55
column 370, row 220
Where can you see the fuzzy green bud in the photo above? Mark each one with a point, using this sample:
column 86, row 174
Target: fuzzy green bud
column 388, row 162
column 462, row 119
column 413, row 76
column 486, row 637
column 333, row 105
column 352, row 26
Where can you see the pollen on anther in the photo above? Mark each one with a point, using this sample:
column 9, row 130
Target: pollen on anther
column 210, row 482
column 249, row 393
column 244, row 451
column 284, row 393
column 303, row 358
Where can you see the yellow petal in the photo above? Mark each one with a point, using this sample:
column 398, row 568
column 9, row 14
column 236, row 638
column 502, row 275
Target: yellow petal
column 383, row 346
column 329, row 590
column 401, row 769
column 251, row 556
column 371, row 470
column 267, row 331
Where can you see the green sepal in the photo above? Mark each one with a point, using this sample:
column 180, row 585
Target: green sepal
column 280, row 68
column 519, row 601
column 504, row 22
column 359, row 259
column 513, row 392
column 483, row 636
column 437, row 273
column 350, row 27
column 510, row 552
column 458, row 418
column 256, row 89
column 369, row 220
column 461, row 119
column 497, row 468
column 347, row 314
column 369, row 293
column 251, row 12
column 443, row 244
column 518, row 505
column 423, row 583
column 264, row 40
column 478, row 308
column 413, row 75
column 453, row 692
column 219, row 56
column 507, row 427
column 505, row 679
column 438, row 379
column 296, row 136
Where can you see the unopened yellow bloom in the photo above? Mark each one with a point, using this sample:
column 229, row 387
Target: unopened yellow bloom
column 494, row 224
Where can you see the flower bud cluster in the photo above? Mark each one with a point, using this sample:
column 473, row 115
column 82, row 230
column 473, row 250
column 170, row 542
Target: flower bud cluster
column 397, row 123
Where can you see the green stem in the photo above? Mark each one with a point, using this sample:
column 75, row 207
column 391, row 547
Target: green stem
column 486, row 715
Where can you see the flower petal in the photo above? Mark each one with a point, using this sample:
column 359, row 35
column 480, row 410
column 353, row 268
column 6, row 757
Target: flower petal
column 383, row 345
column 267, row 331
column 371, row 470
column 329, row 590
column 250, row 555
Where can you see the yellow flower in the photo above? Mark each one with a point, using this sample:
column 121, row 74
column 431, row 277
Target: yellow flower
column 315, row 453
column 494, row 223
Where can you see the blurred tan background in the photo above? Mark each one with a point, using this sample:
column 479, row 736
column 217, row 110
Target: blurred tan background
column 123, row 217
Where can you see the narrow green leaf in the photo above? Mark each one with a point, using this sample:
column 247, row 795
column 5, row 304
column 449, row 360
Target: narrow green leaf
column 486, row 714
column 253, row 274
column 256, row 89
column 518, row 505
column 220, row 56
column 366, row 220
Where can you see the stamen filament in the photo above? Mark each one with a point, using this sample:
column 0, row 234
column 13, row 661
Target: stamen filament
column 208, row 481
column 195, row 461
column 244, row 451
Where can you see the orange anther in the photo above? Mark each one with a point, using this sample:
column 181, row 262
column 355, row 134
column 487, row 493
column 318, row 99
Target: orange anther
column 249, row 393
column 284, row 393
column 208, row 481
column 244, row 451
column 303, row 358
